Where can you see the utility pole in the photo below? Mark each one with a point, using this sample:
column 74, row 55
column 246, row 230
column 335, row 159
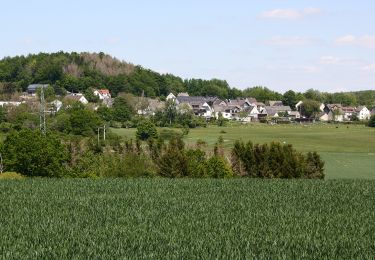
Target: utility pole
column 42, row 112
column 104, row 133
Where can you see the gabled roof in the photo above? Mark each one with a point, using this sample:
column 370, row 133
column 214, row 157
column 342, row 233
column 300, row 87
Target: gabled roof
column 187, row 99
column 252, row 100
column 270, row 111
column 359, row 109
column 239, row 102
column 103, row 91
column 155, row 104
column 275, row 103
column 334, row 106
column 279, row 108
column 249, row 109
column 348, row 109
column 33, row 87
column 183, row 94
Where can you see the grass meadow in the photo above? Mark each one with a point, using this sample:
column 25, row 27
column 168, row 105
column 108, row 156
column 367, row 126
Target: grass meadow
column 348, row 151
column 187, row 218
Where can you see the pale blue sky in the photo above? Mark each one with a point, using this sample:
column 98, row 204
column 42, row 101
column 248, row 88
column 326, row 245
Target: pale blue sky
column 282, row 44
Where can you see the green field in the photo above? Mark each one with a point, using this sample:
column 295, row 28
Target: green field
column 349, row 151
column 186, row 218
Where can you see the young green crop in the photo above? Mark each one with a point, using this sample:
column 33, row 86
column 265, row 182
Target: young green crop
column 184, row 218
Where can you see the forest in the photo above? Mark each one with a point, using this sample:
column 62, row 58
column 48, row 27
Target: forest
column 77, row 72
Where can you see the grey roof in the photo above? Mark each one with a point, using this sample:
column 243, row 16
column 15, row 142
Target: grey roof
column 184, row 99
column 33, row 87
column 276, row 103
column 358, row 109
column 252, row 100
column 249, row 109
column 239, row 102
column 279, row 108
column 270, row 111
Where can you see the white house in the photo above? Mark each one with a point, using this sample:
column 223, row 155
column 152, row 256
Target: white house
column 363, row 113
column 348, row 113
column 10, row 103
column 56, row 105
column 102, row 93
column 77, row 97
column 252, row 113
column 171, row 97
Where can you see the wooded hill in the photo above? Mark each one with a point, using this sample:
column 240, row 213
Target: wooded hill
column 77, row 72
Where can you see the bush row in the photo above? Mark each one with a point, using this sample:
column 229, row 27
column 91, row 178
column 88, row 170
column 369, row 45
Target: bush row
column 34, row 154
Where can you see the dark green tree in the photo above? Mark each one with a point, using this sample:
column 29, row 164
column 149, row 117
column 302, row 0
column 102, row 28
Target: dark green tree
column 310, row 108
column 33, row 154
column 122, row 110
column 146, row 129
column 371, row 122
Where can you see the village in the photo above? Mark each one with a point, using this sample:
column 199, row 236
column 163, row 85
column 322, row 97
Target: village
column 244, row 110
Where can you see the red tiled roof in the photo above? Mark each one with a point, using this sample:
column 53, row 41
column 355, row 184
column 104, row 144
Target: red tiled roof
column 103, row 91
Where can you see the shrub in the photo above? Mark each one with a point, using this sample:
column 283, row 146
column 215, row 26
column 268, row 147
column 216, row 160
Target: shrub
column 146, row 129
column 274, row 161
column 196, row 163
column 33, row 154
column 11, row 176
column 168, row 134
column 216, row 167
column 371, row 122
column 173, row 162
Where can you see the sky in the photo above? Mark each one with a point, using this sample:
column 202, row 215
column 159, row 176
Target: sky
column 327, row 45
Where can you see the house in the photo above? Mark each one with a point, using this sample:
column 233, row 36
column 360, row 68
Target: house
column 260, row 105
column 170, row 97
column 348, row 112
column 199, row 105
column 183, row 94
column 363, row 113
column 228, row 112
column 252, row 101
column 153, row 105
column 294, row 115
column 10, row 103
column 251, row 114
column 275, row 103
column 76, row 97
column 56, row 105
column 373, row 111
column 241, row 102
column 32, row 89
column 102, row 93
column 334, row 112
column 270, row 112
column 223, row 110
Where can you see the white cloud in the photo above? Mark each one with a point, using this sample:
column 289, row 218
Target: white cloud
column 362, row 41
column 290, row 14
column 288, row 41
column 370, row 67
column 332, row 60
column 329, row 60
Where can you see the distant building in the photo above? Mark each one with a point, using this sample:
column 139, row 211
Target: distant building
column 102, row 93
column 363, row 113
column 32, row 89
column 171, row 97
column 77, row 97
column 10, row 103
column 275, row 103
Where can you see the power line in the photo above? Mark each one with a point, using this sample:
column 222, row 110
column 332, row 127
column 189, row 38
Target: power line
column 42, row 112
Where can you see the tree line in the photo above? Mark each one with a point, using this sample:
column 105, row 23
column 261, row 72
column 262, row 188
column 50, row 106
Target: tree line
column 78, row 72
column 33, row 154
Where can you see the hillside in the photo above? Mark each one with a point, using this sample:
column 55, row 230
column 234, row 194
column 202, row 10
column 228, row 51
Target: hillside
column 80, row 71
